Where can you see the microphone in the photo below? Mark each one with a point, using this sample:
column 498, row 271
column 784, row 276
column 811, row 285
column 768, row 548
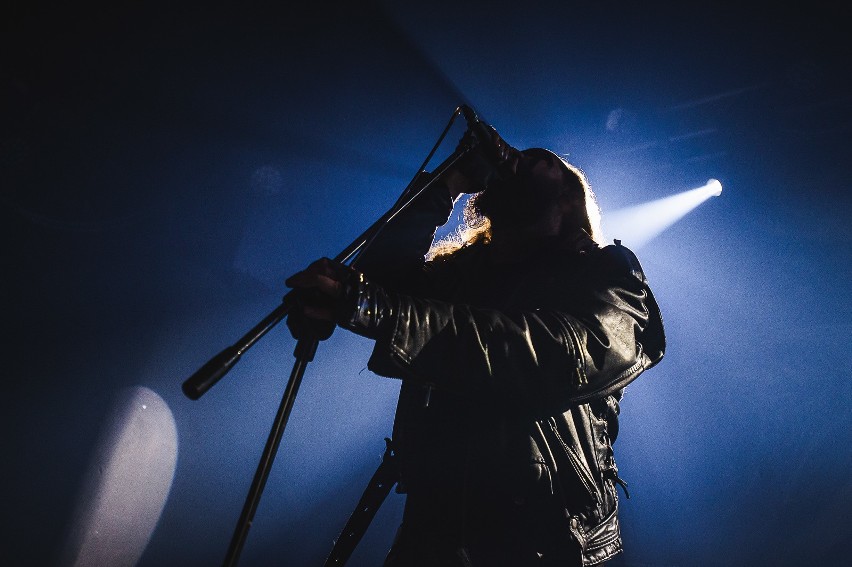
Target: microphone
column 496, row 150
column 483, row 132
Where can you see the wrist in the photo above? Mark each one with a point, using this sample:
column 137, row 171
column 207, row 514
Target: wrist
column 367, row 306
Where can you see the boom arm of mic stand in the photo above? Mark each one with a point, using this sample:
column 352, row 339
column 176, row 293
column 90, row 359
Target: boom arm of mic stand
column 215, row 369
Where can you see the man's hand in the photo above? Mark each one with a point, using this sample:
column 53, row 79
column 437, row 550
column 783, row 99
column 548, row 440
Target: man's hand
column 317, row 300
column 484, row 161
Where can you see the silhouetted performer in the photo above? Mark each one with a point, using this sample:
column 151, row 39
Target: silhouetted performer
column 513, row 346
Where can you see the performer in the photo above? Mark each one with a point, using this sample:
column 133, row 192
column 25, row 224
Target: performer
column 514, row 346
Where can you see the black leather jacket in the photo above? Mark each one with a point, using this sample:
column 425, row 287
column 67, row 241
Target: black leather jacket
column 512, row 373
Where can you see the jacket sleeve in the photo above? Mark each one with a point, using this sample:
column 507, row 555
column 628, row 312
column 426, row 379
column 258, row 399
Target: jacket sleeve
column 593, row 344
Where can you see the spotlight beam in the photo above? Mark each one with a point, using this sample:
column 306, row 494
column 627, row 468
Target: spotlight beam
column 127, row 485
column 639, row 224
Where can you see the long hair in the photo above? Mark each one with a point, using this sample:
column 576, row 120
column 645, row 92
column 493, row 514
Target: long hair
column 476, row 227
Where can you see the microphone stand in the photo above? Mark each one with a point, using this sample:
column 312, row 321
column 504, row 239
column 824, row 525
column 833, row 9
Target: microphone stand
column 216, row 368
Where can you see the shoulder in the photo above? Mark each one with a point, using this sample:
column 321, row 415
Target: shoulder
column 617, row 260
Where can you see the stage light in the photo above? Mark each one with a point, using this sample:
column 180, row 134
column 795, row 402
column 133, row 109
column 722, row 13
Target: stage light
column 638, row 225
column 715, row 187
column 125, row 490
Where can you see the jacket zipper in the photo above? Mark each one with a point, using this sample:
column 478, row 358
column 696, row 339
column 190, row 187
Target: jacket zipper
column 583, row 473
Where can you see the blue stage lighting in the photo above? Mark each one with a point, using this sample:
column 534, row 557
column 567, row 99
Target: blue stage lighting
column 639, row 224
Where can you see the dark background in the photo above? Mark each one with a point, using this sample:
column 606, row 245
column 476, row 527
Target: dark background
column 163, row 169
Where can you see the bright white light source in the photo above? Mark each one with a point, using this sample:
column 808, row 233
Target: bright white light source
column 715, row 186
column 638, row 225
column 129, row 479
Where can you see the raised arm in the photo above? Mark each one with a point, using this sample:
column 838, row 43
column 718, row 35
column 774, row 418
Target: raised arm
column 398, row 252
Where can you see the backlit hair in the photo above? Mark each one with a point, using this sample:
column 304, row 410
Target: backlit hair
column 476, row 227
